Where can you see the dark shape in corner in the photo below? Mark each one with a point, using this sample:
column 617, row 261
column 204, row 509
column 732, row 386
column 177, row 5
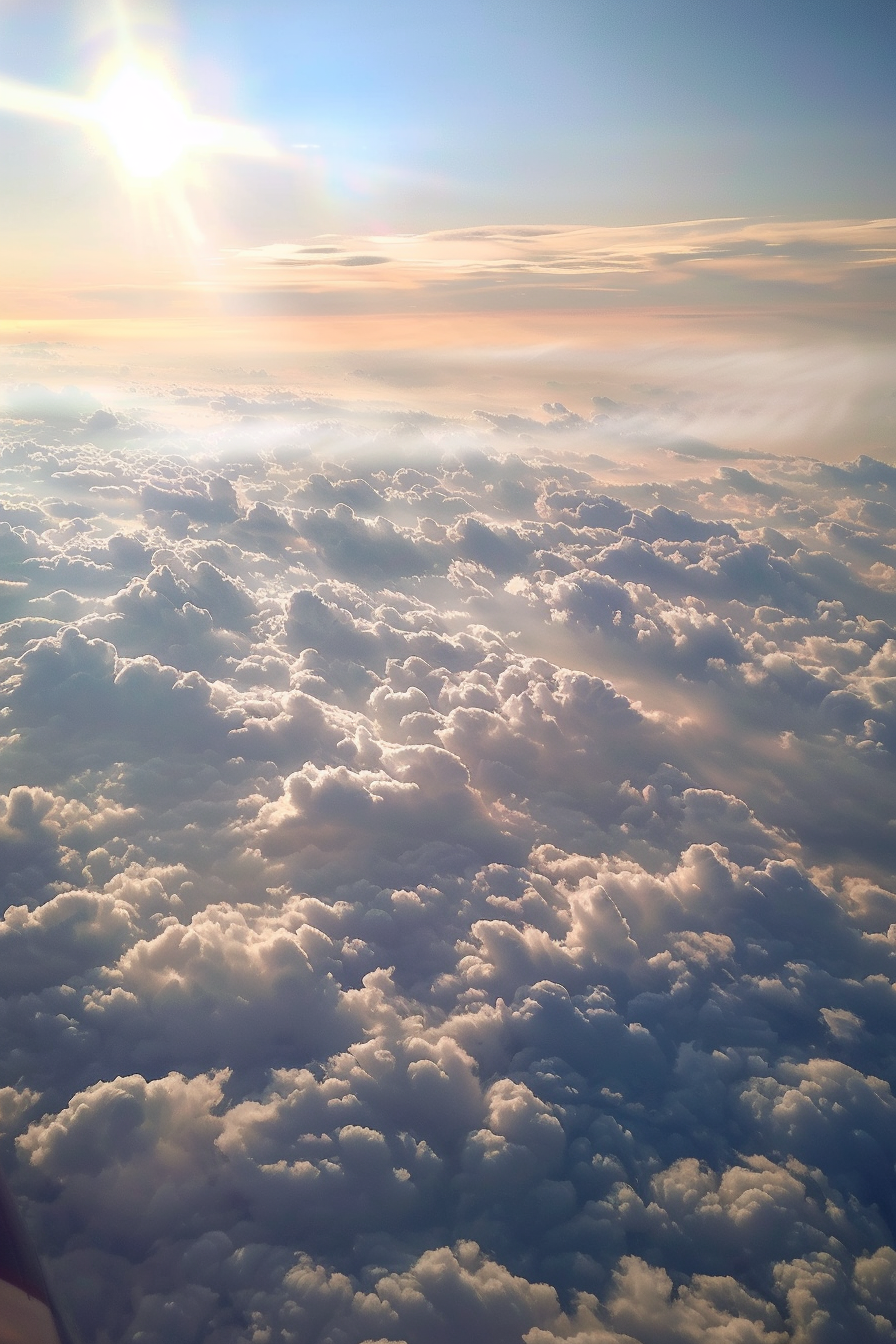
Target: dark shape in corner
column 27, row 1314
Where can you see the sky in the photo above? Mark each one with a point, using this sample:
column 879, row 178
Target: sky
column 491, row 112
column 719, row 176
column 448, row 663
column 395, row 118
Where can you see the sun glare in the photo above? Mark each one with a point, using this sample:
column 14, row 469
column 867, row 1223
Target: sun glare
column 143, row 117
column 147, row 124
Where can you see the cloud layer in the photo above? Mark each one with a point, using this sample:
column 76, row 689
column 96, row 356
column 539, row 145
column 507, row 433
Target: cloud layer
column 447, row 891
column 772, row 251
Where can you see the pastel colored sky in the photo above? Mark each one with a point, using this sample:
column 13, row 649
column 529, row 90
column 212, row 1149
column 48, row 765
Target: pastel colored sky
column 405, row 118
column 611, row 111
column 354, row 177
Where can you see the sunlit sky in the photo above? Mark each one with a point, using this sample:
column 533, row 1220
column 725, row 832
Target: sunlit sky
column 168, row 162
column 615, row 111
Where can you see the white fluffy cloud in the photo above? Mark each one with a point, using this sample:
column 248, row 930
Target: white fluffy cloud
column 446, row 895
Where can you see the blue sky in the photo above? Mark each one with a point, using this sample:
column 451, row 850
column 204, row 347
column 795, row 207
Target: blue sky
column 590, row 112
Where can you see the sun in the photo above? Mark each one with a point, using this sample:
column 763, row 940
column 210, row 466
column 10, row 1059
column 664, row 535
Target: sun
column 148, row 125
column 143, row 117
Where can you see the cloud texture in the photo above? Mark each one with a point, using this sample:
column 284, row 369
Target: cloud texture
column 775, row 251
column 447, row 892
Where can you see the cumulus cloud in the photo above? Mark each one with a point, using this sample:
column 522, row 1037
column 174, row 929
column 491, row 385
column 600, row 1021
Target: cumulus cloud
column 447, row 892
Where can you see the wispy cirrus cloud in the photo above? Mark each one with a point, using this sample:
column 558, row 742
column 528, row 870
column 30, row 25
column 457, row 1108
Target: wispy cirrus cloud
column 808, row 253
